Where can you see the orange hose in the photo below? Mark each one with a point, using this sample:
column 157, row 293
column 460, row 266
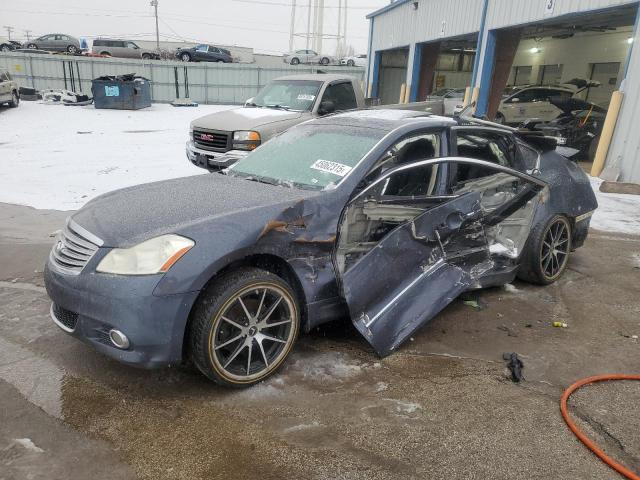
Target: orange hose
column 581, row 436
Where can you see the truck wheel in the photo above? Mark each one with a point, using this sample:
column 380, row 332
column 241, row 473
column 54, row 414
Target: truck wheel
column 244, row 327
column 324, row 61
column 15, row 99
column 295, row 61
column 72, row 49
column 185, row 57
column 546, row 253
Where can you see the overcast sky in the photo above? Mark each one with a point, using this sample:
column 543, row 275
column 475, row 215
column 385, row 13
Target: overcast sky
column 261, row 24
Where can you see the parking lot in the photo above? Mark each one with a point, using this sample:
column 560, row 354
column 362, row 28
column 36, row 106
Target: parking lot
column 442, row 406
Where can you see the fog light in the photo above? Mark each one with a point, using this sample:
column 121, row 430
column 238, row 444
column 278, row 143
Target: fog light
column 119, row 339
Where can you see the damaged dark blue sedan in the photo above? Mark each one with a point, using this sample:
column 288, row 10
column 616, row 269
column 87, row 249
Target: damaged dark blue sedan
column 381, row 215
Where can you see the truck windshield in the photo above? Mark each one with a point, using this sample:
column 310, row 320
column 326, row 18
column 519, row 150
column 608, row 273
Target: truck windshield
column 298, row 95
column 308, row 156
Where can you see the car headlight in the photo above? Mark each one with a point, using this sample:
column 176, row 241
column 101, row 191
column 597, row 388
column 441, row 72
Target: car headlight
column 246, row 140
column 151, row 256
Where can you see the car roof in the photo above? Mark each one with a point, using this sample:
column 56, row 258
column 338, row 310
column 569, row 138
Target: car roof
column 321, row 77
column 385, row 119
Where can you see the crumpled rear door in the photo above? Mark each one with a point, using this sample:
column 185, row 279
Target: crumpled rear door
column 415, row 271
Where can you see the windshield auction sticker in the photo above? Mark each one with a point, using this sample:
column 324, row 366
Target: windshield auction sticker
column 331, row 167
column 304, row 96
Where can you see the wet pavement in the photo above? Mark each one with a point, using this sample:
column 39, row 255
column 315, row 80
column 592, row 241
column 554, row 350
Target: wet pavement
column 441, row 407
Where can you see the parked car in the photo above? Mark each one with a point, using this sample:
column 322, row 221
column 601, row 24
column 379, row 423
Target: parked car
column 307, row 56
column 56, row 42
column 220, row 139
column 451, row 98
column 578, row 126
column 122, row 48
column 204, row 53
column 355, row 61
column 383, row 216
column 6, row 45
column 531, row 102
column 9, row 91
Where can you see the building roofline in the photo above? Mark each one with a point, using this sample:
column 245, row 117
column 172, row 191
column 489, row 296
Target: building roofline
column 386, row 8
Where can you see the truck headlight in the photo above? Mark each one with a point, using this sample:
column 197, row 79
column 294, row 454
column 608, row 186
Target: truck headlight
column 246, row 140
column 151, row 256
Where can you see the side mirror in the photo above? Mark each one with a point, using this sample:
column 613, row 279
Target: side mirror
column 326, row 107
column 248, row 102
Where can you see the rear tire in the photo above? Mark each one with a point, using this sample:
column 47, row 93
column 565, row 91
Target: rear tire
column 230, row 340
column 5, row 48
column 546, row 253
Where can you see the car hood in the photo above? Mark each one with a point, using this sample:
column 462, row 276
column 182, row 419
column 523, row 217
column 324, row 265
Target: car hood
column 243, row 118
column 123, row 218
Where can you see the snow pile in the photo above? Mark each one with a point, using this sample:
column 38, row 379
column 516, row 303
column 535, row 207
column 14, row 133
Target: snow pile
column 616, row 212
column 59, row 157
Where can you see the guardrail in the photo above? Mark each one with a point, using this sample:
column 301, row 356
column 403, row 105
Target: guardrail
column 224, row 83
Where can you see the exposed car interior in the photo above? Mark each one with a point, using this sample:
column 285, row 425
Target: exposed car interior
column 405, row 194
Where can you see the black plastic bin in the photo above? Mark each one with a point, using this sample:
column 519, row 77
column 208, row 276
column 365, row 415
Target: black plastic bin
column 125, row 92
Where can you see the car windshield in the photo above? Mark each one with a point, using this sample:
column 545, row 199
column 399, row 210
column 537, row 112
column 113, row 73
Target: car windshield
column 308, row 156
column 298, row 95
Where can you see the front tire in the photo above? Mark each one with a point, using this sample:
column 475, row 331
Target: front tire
column 324, row 61
column 351, row 63
column 146, row 56
column 295, row 61
column 15, row 99
column 32, row 46
column 244, row 327
column 185, row 57
column 546, row 254
column 5, row 48
column 72, row 49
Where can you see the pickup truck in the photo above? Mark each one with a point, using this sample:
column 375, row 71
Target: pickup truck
column 220, row 139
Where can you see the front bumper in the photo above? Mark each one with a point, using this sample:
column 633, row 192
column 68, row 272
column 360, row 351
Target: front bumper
column 212, row 160
column 97, row 303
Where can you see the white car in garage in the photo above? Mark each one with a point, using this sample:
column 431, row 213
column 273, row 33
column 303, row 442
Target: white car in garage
column 452, row 99
column 532, row 102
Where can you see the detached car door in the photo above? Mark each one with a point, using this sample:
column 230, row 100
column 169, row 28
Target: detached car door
column 401, row 260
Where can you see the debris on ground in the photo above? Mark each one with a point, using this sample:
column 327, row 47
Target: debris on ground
column 515, row 365
column 506, row 329
column 473, row 300
column 560, row 324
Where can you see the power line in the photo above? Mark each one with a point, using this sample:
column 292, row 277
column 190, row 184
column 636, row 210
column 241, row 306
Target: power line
column 9, row 30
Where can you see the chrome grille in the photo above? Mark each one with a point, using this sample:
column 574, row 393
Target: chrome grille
column 74, row 248
column 209, row 140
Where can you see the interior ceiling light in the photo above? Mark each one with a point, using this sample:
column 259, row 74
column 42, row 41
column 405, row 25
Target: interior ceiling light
column 630, row 40
column 534, row 50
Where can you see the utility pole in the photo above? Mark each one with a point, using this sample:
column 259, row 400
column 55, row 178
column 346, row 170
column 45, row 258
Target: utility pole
column 27, row 33
column 154, row 4
column 338, row 38
column 344, row 28
column 293, row 25
column 9, row 30
column 308, row 23
column 320, row 25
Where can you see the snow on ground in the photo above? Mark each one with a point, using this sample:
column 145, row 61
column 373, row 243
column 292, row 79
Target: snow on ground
column 617, row 212
column 59, row 157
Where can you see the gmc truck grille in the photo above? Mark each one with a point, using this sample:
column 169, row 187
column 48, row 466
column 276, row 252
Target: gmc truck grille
column 216, row 141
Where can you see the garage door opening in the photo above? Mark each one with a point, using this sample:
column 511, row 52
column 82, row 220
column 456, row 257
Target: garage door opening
column 443, row 66
column 562, row 69
column 392, row 74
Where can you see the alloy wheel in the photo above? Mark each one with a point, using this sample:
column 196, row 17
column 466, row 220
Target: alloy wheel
column 555, row 248
column 253, row 332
